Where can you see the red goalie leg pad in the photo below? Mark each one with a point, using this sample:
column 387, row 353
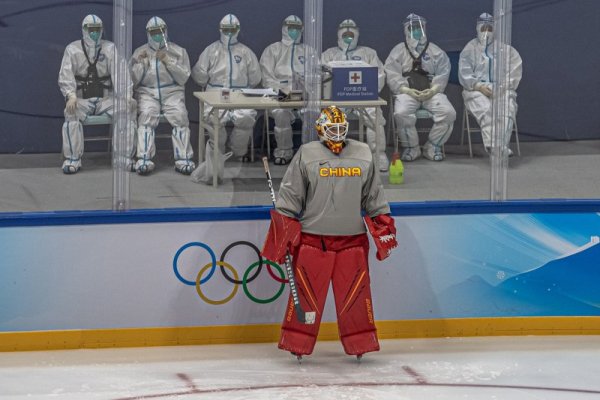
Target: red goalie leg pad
column 352, row 290
column 313, row 268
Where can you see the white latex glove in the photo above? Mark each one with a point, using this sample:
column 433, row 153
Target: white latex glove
column 414, row 93
column 163, row 56
column 429, row 93
column 486, row 89
column 142, row 58
column 71, row 106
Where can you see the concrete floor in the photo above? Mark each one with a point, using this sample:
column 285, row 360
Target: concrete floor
column 35, row 182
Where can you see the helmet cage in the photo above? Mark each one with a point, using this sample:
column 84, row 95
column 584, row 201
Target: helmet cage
column 335, row 131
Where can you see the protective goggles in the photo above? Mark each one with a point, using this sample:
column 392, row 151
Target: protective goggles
column 347, row 25
column 293, row 25
column 229, row 28
column 486, row 28
column 93, row 28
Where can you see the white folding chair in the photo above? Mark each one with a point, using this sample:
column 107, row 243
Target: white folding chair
column 422, row 114
column 466, row 127
column 105, row 119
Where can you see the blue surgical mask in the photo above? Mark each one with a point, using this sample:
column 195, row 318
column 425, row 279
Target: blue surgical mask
column 158, row 38
column 417, row 34
column 294, row 33
column 95, row 35
column 347, row 39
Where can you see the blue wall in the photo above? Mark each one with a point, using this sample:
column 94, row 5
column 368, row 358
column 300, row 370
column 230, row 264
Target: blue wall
column 559, row 41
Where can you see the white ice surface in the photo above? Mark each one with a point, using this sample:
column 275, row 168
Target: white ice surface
column 515, row 368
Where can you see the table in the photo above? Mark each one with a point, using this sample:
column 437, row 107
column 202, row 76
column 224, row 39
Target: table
column 239, row 101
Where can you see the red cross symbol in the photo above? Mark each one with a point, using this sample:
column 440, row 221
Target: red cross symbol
column 355, row 77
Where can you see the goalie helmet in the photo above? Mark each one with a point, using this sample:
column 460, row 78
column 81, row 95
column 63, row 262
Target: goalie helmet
column 332, row 128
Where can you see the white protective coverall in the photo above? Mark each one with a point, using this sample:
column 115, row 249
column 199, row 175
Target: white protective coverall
column 230, row 64
column 160, row 89
column 436, row 64
column 476, row 76
column 279, row 62
column 73, row 73
column 352, row 51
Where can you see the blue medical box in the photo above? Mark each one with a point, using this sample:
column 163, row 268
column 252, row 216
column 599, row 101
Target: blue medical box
column 353, row 80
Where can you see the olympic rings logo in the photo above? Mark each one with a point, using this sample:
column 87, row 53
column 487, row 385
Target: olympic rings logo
column 230, row 273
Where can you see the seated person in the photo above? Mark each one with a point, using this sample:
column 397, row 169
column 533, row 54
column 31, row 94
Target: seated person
column 160, row 70
column 348, row 49
column 85, row 80
column 474, row 73
column 227, row 63
column 417, row 73
column 278, row 63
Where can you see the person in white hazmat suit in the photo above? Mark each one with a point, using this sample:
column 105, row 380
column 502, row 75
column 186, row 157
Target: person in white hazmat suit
column 348, row 49
column 279, row 62
column 476, row 76
column 227, row 63
column 417, row 73
column 160, row 70
column 85, row 80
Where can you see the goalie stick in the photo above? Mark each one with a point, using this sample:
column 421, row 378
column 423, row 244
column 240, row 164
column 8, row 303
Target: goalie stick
column 303, row 317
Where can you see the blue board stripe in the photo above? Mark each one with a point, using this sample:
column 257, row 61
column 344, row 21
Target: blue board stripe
column 103, row 217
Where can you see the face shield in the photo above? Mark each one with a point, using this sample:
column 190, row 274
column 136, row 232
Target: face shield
column 94, row 31
column 485, row 29
column 415, row 30
column 294, row 29
column 157, row 34
column 347, row 35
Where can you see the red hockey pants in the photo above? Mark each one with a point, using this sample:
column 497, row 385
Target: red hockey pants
column 343, row 260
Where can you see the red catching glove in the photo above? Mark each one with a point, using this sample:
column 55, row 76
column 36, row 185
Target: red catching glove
column 383, row 231
column 283, row 235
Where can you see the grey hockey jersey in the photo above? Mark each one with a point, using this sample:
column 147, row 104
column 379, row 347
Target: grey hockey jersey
column 327, row 192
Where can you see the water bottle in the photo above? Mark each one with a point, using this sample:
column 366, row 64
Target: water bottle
column 396, row 170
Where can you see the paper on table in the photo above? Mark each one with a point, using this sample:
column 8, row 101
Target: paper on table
column 259, row 92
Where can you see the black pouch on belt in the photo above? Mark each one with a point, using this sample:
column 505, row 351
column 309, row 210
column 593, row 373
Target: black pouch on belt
column 92, row 85
column 417, row 77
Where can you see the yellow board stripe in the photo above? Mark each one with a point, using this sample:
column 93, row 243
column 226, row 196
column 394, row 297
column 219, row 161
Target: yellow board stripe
column 228, row 334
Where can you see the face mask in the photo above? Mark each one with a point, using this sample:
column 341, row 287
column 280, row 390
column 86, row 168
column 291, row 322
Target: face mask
column 95, row 35
column 158, row 38
column 347, row 39
column 294, row 33
column 417, row 34
column 485, row 37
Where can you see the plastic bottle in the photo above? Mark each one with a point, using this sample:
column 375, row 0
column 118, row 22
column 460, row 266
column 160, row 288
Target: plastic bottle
column 396, row 170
